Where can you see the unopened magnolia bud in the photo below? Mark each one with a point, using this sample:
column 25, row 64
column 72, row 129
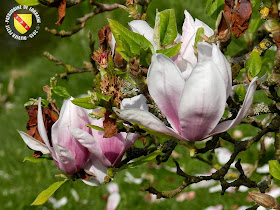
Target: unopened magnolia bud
column 264, row 200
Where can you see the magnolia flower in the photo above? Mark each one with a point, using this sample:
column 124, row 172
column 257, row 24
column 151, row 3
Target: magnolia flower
column 192, row 99
column 68, row 154
column 109, row 150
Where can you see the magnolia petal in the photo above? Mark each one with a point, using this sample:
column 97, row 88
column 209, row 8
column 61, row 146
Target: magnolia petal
column 143, row 28
column 112, row 44
column 224, row 67
column 33, row 144
column 75, row 116
column 98, row 169
column 207, row 30
column 65, row 159
column 129, row 141
column 224, row 126
column 91, row 144
column 202, row 102
column 113, row 188
column 165, row 84
column 111, row 147
column 188, row 38
column 136, row 102
column 212, row 52
column 42, row 129
column 146, row 119
column 113, row 201
column 185, row 67
column 204, row 52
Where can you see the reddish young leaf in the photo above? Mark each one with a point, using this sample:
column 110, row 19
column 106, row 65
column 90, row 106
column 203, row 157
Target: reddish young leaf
column 238, row 15
column 61, row 12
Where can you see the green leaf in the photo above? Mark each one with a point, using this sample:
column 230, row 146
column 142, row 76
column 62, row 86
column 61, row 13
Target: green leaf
column 45, row 103
column 36, row 160
column 254, row 64
column 128, row 41
column 274, row 168
column 44, row 195
column 103, row 96
column 172, row 51
column 111, row 66
column 125, row 50
column 61, row 91
column 165, row 31
column 85, row 102
column 28, row 2
column 145, row 57
column 214, row 7
column 239, row 93
column 95, row 127
column 198, row 38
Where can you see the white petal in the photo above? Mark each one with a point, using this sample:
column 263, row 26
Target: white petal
column 223, row 155
column 185, row 67
column 224, row 67
column 204, row 52
column 34, row 144
column 178, row 38
column 203, row 101
column 147, row 120
column 188, row 39
column 136, row 102
column 98, row 169
column 165, row 84
column 207, row 30
column 65, row 159
column 113, row 201
column 143, row 28
column 224, row 126
column 90, row 143
column 264, row 169
column 113, row 188
column 113, row 44
column 42, row 129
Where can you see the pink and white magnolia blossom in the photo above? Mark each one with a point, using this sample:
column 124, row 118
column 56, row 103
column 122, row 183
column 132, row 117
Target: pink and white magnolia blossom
column 109, row 150
column 68, row 154
column 192, row 94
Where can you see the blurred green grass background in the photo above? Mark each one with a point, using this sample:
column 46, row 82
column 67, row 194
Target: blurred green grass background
column 21, row 182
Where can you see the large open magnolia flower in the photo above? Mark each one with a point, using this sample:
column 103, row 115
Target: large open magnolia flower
column 192, row 99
